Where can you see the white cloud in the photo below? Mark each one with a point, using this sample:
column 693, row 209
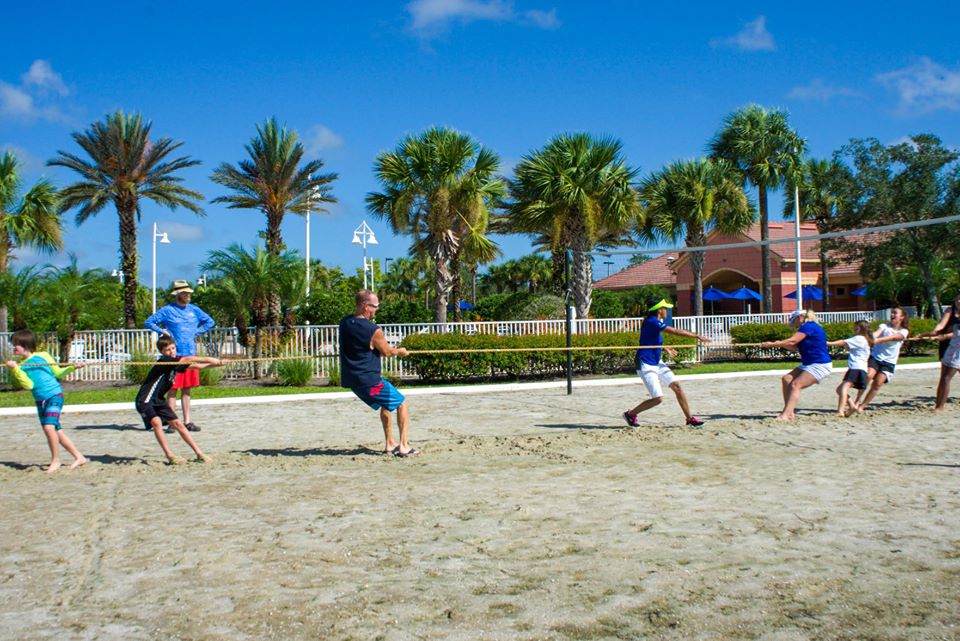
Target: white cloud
column 541, row 19
column 817, row 89
column 431, row 16
column 15, row 102
column 925, row 86
column 321, row 138
column 181, row 231
column 42, row 75
column 753, row 37
column 31, row 100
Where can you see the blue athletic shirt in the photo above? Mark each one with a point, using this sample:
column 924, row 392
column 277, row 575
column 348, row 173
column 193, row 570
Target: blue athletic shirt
column 359, row 364
column 651, row 333
column 184, row 323
column 41, row 381
column 813, row 348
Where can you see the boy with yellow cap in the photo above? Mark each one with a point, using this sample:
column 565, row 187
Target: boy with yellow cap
column 653, row 370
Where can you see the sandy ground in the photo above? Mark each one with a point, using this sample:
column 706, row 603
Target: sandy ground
column 530, row 515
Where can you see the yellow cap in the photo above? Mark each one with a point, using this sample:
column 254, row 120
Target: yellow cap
column 663, row 303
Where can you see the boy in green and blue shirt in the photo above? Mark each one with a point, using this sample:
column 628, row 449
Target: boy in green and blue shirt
column 39, row 373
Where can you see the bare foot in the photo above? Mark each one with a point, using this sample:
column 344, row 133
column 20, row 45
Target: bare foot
column 842, row 415
column 54, row 466
column 783, row 417
column 938, row 410
column 78, row 462
column 176, row 460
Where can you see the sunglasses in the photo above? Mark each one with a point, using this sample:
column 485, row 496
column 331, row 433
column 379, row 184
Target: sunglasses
column 372, row 305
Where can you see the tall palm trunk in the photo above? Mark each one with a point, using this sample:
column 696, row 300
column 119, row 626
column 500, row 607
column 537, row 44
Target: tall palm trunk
column 696, row 238
column 4, row 259
column 766, row 305
column 558, row 266
column 126, row 210
column 274, row 243
column 825, row 275
column 456, row 286
column 441, row 252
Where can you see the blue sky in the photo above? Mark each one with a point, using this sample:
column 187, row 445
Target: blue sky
column 354, row 78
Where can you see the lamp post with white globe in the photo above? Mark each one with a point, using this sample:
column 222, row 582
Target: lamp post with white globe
column 363, row 236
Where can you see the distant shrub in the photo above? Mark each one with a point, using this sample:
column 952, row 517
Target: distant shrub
column 403, row 311
column 211, row 376
column 295, row 372
column 469, row 365
column 137, row 374
column 606, row 304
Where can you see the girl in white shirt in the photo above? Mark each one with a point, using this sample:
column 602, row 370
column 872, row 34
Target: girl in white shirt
column 888, row 339
column 859, row 353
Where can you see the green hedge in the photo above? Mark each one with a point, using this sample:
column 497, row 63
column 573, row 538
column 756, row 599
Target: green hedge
column 514, row 365
column 759, row 332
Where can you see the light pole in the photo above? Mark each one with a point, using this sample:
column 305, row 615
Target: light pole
column 202, row 280
column 796, row 213
column 313, row 194
column 164, row 240
column 119, row 275
column 608, row 263
column 363, row 235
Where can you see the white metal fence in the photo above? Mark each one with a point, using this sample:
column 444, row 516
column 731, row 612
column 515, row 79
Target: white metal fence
column 105, row 351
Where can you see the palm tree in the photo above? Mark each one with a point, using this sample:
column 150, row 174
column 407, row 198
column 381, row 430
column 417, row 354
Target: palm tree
column 761, row 144
column 29, row 219
column 439, row 187
column 125, row 166
column 688, row 198
column 74, row 300
column 580, row 188
column 257, row 278
column 535, row 270
column 21, row 290
column 273, row 181
column 819, row 200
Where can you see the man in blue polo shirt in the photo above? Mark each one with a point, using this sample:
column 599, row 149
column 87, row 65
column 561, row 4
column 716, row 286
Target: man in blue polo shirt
column 362, row 344
column 651, row 368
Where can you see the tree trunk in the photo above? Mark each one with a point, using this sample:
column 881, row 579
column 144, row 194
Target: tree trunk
column 4, row 259
column 557, row 268
column 825, row 276
column 456, row 286
column 930, row 290
column 696, row 238
column 441, row 252
column 766, row 305
column 257, row 347
column 582, row 280
column 126, row 211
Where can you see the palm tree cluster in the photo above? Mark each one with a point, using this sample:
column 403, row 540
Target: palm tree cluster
column 577, row 194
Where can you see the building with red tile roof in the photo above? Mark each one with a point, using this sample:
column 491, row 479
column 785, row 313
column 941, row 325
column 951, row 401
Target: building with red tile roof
column 730, row 269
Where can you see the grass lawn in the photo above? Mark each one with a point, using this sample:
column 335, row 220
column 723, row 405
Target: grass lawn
column 126, row 393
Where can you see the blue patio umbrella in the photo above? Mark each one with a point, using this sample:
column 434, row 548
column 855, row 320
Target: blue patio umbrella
column 744, row 293
column 465, row 304
column 860, row 291
column 810, row 292
column 712, row 293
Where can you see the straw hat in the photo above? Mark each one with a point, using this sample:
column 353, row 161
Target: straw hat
column 180, row 286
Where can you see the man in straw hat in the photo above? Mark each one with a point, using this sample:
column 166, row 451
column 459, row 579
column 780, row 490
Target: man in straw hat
column 183, row 322
column 651, row 368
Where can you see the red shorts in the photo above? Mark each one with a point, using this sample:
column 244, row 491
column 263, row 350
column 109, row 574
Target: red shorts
column 189, row 378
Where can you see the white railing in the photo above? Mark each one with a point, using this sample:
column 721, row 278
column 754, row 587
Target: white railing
column 105, row 351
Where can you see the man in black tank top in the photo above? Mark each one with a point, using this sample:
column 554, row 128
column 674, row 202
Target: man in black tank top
column 362, row 344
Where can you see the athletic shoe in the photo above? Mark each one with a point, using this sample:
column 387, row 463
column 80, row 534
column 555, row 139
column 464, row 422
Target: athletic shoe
column 631, row 419
column 193, row 427
column 693, row 421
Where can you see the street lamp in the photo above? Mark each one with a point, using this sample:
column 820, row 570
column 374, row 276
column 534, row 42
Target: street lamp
column 119, row 275
column 202, row 280
column 164, row 240
column 608, row 263
column 363, row 235
column 314, row 194
column 796, row 213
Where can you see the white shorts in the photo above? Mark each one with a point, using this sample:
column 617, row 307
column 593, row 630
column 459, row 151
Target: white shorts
column 819, row 371
column 951, row 357
column 655, row 375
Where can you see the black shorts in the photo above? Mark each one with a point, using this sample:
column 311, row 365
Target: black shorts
column 856, row 377
column 881, row 366
column 148, row 411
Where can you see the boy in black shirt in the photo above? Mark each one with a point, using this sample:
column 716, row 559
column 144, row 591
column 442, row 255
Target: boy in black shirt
column 152, row 398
